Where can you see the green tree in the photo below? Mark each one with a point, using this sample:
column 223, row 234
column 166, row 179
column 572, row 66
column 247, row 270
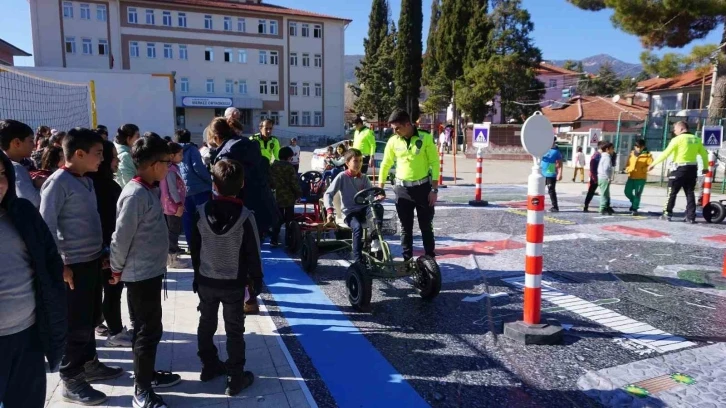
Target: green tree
column 438, row 88
column 473, row 93
column 451, row 36
column 573, row 65
column 667, row 23
column 408, row 57
column 667, row 66
column 606, row 83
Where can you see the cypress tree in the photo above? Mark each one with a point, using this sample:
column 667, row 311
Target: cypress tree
column 430, row 65
column 451, row 36
column 409, row 62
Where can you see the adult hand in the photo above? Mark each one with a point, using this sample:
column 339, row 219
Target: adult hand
column 68, row 276
column 650, row 168
column 115, row 278
column 432, row 199
column 372, row 162
column 179, row 211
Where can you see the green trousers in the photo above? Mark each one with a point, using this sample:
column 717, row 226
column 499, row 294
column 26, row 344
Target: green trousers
column 634, row 190
column 604, row 194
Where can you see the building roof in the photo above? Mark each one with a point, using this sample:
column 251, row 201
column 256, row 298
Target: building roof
column 545, row 68
column 15, row 51
column 608, row 127
column 259, row 7
column 595, row 108
column 685, row 80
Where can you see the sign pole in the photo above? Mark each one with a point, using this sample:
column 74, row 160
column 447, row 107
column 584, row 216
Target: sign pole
column 478, row 202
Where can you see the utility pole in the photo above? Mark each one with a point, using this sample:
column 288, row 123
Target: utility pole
column 454, row 141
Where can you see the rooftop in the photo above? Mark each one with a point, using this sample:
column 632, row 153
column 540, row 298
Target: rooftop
column 15, row 51
column 685, row 80
column 545, row 68
column 595, row 108
column 259, row 7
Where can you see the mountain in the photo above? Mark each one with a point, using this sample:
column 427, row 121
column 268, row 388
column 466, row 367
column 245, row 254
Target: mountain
column 349, row 64
column 593, row 64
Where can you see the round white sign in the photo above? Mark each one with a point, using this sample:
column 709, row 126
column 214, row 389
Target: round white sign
column 537, row 135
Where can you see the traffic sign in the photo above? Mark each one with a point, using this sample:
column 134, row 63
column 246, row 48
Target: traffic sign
column 481, row 134
column 595, row 136
column 712, row 137
column 536, row 135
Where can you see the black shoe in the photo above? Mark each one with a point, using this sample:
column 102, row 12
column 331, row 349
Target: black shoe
column 102, row 330
column 610, row 211
column 148, row 399
column 80, row 392
column 237, row 383
column 274, row 243
column 554, row 209
column 585, row 209
column 212, row 371
column 97, row 371
column 666, row 217
column 634, row 213
column 689, row 221
column 165, row 379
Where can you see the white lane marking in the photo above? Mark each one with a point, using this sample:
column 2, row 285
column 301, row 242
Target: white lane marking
column 638, row 332
column 483, row 296
column 703, row 306
column 649, row 292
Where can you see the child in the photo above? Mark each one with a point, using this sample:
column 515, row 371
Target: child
column 592, row 186
column 579, row 160
column 225, row 250
column 287, row 189
column 173, row 194
column 604, row 177
column 348, row 184
column 126, row 136
column 51, row 160
column 16, row 140
column 139, row 247
column 295, row 154
column 638, row 162
column 551, row 168
column 68, row 206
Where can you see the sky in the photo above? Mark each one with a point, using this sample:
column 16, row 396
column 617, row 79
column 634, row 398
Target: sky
column 561, row 30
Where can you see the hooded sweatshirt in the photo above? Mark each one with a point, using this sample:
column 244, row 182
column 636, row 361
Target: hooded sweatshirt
column 637, row 167
column 126, row 167
column 193, row 171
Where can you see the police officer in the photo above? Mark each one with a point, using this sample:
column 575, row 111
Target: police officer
column 684, row 148
column 269, row 145
column 365, row 141
column 417, row 174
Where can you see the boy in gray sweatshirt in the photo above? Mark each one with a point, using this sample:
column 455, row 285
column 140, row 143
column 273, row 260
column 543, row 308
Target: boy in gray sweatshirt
column 68, row 206
column 139, row 249
column 16, row 140
column 604, row 177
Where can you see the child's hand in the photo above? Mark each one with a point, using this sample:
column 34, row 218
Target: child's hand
column 331, row 217
column 180, row 211
column 68, row 277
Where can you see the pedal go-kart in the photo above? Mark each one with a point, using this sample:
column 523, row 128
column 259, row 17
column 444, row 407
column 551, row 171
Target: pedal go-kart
column 312, row 186
column 378, row 264
column 714, row 212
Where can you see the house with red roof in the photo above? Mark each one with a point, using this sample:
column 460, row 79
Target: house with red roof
column 8, row 51
column 689, row 91
column 556, row 80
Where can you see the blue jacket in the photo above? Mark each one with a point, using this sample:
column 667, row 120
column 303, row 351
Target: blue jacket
column 194, row 172
column 50, row 291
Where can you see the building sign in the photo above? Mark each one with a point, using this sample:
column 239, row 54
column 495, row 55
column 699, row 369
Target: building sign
column 206, row 102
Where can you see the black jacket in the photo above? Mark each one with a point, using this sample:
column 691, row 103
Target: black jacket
column 107, row 194
column 221, row 216
column 50, row 291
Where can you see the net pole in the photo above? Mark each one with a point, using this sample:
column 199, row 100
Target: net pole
column 94, row 113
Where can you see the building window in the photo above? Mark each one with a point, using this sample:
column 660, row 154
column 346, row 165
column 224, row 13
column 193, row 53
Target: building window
column 67, row 9
column 208, row 22
column 274, row 88
column 318, row 90
column 294, row 118
column 85, row 11
column 318, row 31
column 134, row 49
column 87, row 46
column 151, row 50
column 273, row 27
column 241, row 25
column 262, row 27
column 263, row 87
column 306, row 60
column 306, row 30
column 166, row 18
column 318, row 119
column 101, row 12
column 242, row 56
column 229, row 86
column 227, row 55
column 293, row 59
column 150, row 17
column 318, row 61
column 274, row 58
column 183, row 55
column 184, row 85
column 210, row 85
column 208, row 54
column 228, row 24
column 182, row 19
column 133, row 18
column 71, row 45
column 263, row 57
column 275, row 118
column 242, row 86
column 306, row 118
column 102, row 47
column 306, row 89
column 292, row 31
column 553, row 83
column 293, row 89
column 168, row 53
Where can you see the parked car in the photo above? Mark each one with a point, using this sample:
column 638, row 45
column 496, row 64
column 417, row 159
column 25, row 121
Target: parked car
column 317, row 163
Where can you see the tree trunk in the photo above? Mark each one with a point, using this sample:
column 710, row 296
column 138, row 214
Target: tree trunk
column 718, row 87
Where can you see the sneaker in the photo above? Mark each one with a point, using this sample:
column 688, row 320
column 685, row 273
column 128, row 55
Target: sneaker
column 212, row 371
column 605, row 212
column 666, row 217
column 237, row 383
column 634, row 213
column 120, row 339
column 274, row 243
column 97, row 371
column 689, row 221
column 81, row 393
column 375, row 245
column 165, row 379
column 585, row 209
column 102, row 330
column 148, row 399
column 554, row 210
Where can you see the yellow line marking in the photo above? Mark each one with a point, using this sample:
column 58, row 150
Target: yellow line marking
column 546, row 218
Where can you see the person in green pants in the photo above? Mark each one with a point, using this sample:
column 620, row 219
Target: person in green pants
column 604, row 177
column 638, row 162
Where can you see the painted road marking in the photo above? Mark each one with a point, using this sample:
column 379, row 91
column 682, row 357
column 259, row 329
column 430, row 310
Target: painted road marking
column 342, row 356
column 716, row 238
column 632, row 329
column 636, row 232
column 546, row 218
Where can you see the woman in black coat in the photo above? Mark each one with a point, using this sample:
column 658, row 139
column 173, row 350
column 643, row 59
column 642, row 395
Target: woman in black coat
column 22, row 371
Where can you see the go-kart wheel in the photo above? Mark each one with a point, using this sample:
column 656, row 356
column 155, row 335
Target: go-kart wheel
column 293, row 237
column 428, row 278
column 714, row 212
column 309, row 253
column 360, row 287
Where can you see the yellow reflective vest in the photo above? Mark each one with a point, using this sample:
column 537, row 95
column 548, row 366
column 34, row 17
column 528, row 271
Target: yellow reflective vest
column 415, row 159
column 685, row 148
column 365, row 141
column 269, row 148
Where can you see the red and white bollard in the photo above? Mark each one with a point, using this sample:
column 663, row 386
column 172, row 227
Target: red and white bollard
column 441, row 166
column 478, row 202
column 533, row 254
column 708, row 180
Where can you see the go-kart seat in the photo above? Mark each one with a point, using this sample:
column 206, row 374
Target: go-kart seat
column 339, row 217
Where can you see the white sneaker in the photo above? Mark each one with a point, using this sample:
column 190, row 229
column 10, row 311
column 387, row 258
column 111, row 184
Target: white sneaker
column 375, row 245
column 118, row 340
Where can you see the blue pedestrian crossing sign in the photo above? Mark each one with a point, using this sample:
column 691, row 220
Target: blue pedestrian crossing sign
column 712, row 137
column 481, row 134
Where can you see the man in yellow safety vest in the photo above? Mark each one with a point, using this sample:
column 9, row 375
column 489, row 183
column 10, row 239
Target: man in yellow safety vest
column 365, row 141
